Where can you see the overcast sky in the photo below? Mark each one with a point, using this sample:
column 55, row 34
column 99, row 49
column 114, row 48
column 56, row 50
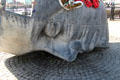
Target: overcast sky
column 23, row 1
column 116, row 1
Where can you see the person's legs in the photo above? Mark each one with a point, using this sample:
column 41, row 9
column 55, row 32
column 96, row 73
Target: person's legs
column 119, row 14
column 112, row 14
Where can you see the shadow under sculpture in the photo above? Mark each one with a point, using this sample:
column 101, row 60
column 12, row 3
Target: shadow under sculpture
column 55, row 30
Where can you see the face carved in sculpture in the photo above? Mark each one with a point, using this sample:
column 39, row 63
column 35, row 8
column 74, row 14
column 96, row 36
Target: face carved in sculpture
column 56, row 28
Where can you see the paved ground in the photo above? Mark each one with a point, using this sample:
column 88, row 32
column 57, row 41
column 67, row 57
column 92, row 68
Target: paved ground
column 114, row 30
column 97, row 65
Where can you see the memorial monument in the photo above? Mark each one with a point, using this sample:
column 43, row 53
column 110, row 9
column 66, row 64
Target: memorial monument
column 62, row 28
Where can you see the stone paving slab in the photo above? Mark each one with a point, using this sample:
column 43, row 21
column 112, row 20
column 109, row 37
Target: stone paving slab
column 114, row 30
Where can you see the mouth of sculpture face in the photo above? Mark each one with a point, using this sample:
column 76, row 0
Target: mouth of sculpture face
column 70, row 4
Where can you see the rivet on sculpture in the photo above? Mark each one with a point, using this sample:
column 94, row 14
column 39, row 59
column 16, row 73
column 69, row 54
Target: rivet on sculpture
column 61, row 30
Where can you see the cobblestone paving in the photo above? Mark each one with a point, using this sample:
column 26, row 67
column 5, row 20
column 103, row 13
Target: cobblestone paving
column 96, row 65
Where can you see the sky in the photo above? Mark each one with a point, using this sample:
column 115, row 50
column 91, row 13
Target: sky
column 23, row 1
column 116, row 1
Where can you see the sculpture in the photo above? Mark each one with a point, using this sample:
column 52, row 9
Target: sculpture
column 63, row 33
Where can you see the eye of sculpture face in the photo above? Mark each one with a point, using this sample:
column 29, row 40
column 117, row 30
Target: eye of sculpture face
column 22, row 7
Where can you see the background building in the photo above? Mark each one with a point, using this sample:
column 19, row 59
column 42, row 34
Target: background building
column 23, row 7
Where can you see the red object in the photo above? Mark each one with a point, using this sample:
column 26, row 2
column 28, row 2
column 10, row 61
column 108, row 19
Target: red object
column 95, row 3
column 90, row 3
column 77, row 0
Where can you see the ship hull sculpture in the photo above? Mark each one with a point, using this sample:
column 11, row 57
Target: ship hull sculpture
column 59, row 30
